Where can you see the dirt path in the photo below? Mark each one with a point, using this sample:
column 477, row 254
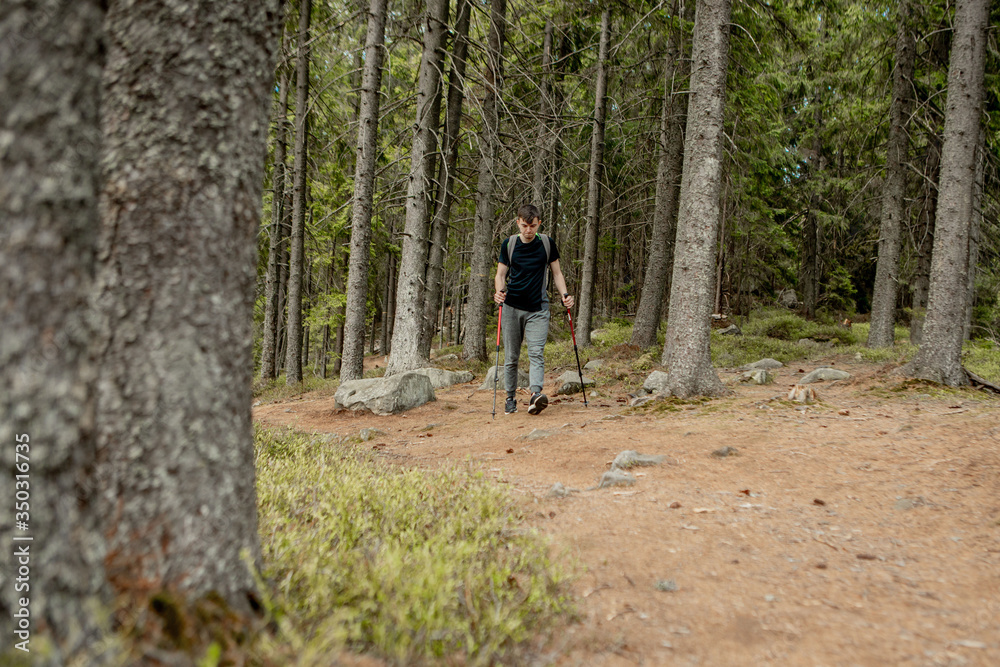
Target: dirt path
column 864, row 530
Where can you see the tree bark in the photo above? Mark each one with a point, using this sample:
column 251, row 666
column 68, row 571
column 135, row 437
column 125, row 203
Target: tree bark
column 480, row 276
column 668, row 175
column 587, row 282
column 293, row 335
column 275, row 237
column 446, row 176
column 406, row 353
column 939, row 356
column 975, row 231
column 51, row 55
column 924, row 243
column 686, row 350
column 185, row 121
column 540, row 162
column 881, row 333
column 352, row 365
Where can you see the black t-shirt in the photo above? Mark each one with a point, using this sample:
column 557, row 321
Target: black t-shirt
column 526, row 277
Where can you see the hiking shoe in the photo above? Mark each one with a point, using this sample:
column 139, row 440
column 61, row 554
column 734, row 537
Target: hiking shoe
column 537, row 404
column 510, row 407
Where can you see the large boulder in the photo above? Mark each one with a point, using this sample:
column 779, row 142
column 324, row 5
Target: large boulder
column 487, row 385
column 385, row 396
column 656, row 383
column 828, row 374
column 569, row 383
column 788, row 298
column 439, row 377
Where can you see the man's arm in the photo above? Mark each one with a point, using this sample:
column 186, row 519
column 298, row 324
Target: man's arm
column 500, row 283
column 560, row 281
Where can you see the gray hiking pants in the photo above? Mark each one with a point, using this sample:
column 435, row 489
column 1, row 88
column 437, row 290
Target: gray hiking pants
column 533, row 329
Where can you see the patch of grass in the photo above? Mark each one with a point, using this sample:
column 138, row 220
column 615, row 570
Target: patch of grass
column 734, row 351
column 784, row 325
column 277, row 390
column 412, row 565
column 982, row 357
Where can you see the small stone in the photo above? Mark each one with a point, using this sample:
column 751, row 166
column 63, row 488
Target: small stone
column 723, row 452
column 538, row 434
column 631, row 459
column 767, row 364
column 828, row 374
column 616, row 478
column 675, row 505
column 557, row 491
column 970, row 643
column 731, row 330
column 666, row 585
column 593, row 364
column 447, row 357
column 759, row 376
column 640, row 400
column 656, row 382
column 369, row 434
column 769, row 598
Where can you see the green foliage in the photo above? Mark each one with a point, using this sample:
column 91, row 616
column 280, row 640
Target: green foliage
column 410, row 564
column 982, row 357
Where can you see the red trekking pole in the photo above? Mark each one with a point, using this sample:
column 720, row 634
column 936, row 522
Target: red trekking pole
column 577, row 353
column 496, row 373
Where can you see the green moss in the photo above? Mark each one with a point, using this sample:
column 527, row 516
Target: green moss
column 410, row 564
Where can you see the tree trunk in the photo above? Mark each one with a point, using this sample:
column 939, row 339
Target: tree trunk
column 406, row 352
column 270, row 338
column 543, row 144
column 975, row 230
column 184, row 165
column 51, row 54
column 587, row 283
column 686, row 351
column 881, row 333
column 939, row 356
column 352, row 365
column 293, row 335
column 446, row 176
column 668, row 175
column 480, row 276
column 286, row 232
column 924, row 242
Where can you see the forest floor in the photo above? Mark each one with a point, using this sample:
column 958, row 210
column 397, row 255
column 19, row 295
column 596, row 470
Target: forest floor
column 860, row 530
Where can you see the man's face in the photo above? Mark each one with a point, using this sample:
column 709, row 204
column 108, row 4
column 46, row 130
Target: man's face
column 528, row 229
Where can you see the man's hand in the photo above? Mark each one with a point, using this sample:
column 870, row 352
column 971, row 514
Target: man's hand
column 499, row 297
column 567, row 300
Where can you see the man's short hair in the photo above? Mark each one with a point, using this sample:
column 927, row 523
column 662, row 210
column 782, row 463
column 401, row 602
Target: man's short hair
column 528, row 213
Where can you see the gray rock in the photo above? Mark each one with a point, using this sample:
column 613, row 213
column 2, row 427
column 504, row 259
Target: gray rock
column 439, row 377
column 788, row 299
column 723, row 452
column 767, row 364
column 616, row 478
column 656, row 383
column 904, row 504
column 487, row 385
column 731, row 330
column 807, row 342
column 557, row 491
column 369, row 434
column 666, row 585
column 824, row 374
column 632, row 459
column 593, row 364
column 538, row 434
column 386, row 395
column 759, row 376
column 447, row 357
column 640, row 400
column 569, row 383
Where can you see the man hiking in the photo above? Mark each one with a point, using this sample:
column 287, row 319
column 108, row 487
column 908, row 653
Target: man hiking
column 522, row 287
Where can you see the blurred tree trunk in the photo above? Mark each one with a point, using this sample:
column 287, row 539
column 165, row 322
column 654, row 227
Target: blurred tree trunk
column 668, row 175
column 181, row 207
column 406, row 353
column 356, row 311
column 881, row 333
column 51, row 55
column 446, row 175
column 596, row 173
column 293, row 335
column 686, row 350
column 480, row 275
column 939, row 356
column 924, row 242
